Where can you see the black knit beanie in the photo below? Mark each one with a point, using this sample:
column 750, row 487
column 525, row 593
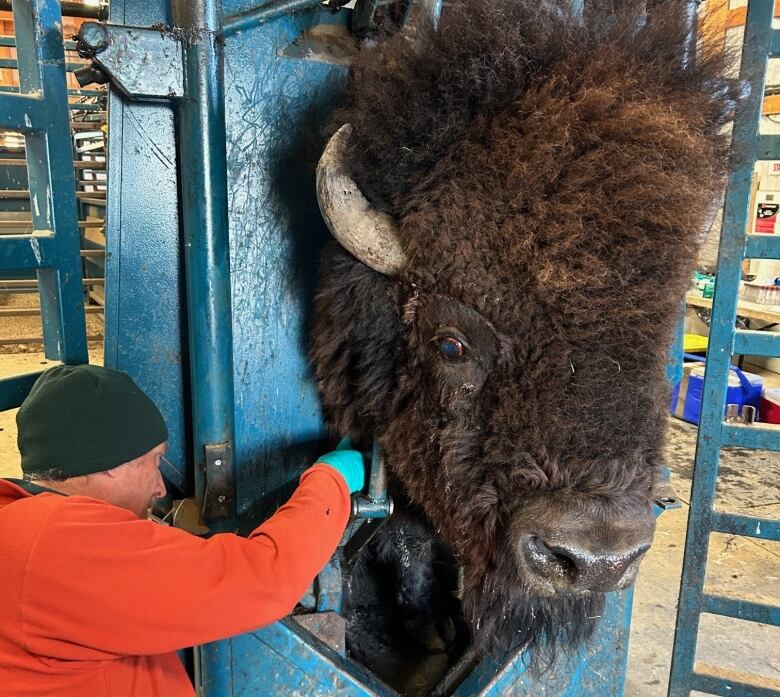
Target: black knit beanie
column 80, row 419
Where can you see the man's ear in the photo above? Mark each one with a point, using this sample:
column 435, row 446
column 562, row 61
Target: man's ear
column 355, row 343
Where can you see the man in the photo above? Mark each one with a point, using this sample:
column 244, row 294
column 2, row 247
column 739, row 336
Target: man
column 97, row 599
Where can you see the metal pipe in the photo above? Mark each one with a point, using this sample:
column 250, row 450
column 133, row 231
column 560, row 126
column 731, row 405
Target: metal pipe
column 71, row 92
column 23, row 194
column 692, row 21
column 71, row 9
column 13, row 64
column 12, row 341
column 265, row 12
column 84, row 197
column 28, row 224
column 32, row 283
column 86, row 125
column 10, row 42
column 77, row 164
column 203, row 175
column 377, row 483
column 33, row 311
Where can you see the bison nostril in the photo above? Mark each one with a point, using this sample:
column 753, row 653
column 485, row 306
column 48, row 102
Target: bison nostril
column 567, row 566
column 551, row 563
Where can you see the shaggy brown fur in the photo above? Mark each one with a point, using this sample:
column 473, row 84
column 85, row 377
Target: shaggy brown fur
column 551, row 176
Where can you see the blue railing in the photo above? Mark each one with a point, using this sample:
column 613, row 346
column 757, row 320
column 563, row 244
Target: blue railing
column 40, row 112
column 725, row 341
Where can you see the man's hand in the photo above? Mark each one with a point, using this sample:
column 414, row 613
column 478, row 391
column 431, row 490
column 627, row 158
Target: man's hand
column 348, row 463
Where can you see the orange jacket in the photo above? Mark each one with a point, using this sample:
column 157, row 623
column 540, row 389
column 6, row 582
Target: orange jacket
column 95, row 601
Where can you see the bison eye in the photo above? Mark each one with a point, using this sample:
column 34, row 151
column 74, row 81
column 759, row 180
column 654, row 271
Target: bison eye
column 451, row 348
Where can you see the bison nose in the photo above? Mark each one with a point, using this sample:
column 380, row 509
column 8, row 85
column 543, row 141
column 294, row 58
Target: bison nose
column 565, row 566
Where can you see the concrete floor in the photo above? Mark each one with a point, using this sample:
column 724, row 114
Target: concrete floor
column 739, row 567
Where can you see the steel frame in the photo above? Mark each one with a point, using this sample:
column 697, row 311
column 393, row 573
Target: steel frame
column 725, row 341
column 53, row 250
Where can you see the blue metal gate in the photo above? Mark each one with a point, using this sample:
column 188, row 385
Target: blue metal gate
column 53, row 250
column 760, row 43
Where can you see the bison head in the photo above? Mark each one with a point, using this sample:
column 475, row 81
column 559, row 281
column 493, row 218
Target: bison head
column 522, row 193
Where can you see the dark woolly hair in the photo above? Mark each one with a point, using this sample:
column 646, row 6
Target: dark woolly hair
column 410, row 102
column 551, row 174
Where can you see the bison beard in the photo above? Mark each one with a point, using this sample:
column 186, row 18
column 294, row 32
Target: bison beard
column 551, row 177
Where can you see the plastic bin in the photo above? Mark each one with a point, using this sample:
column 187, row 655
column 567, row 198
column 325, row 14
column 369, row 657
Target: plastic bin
column 744, row 388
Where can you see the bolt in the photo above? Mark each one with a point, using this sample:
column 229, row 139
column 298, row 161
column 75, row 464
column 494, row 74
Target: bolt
column 93, row 37
column 221, row 498
column 217, row 463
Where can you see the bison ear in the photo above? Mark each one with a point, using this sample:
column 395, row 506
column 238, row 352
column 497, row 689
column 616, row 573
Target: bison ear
column 365, row 232
column 355, row 344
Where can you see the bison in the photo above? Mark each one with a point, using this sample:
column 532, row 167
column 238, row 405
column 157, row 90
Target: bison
column 519, row 195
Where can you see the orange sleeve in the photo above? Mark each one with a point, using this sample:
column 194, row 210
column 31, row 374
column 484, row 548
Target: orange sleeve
column 102, row 583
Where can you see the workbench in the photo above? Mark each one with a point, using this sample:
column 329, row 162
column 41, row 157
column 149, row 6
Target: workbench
column 748, row 310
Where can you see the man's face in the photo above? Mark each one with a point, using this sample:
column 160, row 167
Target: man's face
column 136, row 484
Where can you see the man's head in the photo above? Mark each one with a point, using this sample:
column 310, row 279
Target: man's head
column 91, row 431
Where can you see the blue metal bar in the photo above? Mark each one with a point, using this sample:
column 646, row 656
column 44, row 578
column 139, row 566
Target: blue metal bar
column 729, row 684
column 733, row 524
column 70, row 8
column 265, row 12
column 203, row 175
column 741, row 609
column 21, row 112
column 775, row 50
column 71, row 93
column 756, row 343
column 6, row 90
column 10, row 42
column 329, row 586
column 18, row 252
column 52, row 183
column 41, row 113
column 14, row 390
column 215, row 663
column 762, row 247
column 11, row 64
column 758, row 35
column 764, row 437
column 768, row 145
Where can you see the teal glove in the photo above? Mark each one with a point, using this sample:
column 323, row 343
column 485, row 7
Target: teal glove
column 348, row 463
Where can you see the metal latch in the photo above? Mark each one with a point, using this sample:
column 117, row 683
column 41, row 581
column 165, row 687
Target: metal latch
column 141, row 62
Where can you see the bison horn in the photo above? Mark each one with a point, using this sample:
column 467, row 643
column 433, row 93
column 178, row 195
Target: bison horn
column 365, row 232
